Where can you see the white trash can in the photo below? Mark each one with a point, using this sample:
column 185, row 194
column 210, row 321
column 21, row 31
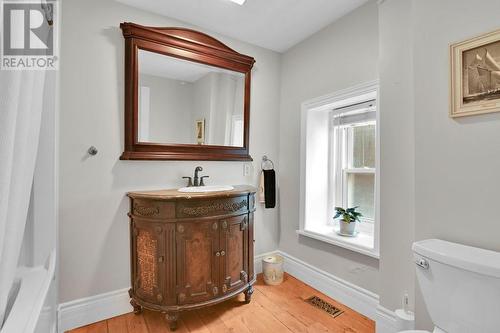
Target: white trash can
column 272, row 267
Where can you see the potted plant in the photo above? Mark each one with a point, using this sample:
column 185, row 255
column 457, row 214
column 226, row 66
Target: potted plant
column 347, row 221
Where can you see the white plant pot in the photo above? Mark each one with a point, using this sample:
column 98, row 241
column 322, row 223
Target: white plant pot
column 347, row 228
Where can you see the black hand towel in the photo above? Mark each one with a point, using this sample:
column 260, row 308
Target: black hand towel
column 270, row 188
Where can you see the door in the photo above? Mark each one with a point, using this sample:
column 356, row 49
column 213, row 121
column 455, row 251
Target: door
column 197, row 264
column 234, row 253
column 148, row 268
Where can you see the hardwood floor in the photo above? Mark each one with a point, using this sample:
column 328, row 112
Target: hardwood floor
column 273, row 309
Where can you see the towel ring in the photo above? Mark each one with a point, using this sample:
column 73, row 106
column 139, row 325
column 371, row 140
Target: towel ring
column 265, row 160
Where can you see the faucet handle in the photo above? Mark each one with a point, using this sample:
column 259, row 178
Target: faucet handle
column 190, row 182
column 201, row 180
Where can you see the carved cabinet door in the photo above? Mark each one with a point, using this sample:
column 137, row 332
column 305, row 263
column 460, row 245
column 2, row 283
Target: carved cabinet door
column 148, row 245
column 197, row 264
column 234, row 252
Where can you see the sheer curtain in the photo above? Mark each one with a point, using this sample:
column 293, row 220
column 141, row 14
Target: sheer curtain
column 21, row 99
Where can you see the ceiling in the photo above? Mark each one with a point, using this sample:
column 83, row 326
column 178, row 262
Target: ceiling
column 156, row 64
column 273, row 24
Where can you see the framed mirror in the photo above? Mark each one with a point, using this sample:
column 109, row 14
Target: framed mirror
column 187, row 96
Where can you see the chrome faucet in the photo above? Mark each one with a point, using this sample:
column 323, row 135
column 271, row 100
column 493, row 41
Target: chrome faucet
column 197, row 181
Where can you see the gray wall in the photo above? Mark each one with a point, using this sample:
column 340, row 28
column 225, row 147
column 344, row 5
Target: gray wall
column 93, row 225
column 340, row 56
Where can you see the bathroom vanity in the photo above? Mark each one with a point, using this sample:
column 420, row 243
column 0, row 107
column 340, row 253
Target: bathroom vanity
column 190, row 250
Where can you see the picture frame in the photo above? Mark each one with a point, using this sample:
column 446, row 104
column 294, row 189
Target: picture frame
column 475, row 75
column 200, row 131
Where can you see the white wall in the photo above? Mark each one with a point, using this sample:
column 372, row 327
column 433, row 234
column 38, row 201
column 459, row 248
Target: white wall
column 457, row 160
column 224, row 94
column 444, row 171
column 340, row 56
column 170, row 109
column 397, row 153
column 94, row 240
column 431, row 166
column 203, row 103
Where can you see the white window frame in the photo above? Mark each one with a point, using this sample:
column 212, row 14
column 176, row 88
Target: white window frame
column 340, row 169
column 319, row 225
column 236, row 136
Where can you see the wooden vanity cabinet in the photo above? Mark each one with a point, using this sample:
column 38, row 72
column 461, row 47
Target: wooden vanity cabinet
column 190, row 250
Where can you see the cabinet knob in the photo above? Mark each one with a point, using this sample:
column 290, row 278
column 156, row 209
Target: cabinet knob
column 224, row 224
column 222, row 253
column 161, row 258
column 217, row 254
column 215, row 290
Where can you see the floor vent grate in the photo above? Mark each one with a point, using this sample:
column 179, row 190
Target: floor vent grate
column 324, row 305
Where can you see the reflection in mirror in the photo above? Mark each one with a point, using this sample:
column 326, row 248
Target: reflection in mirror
column 183, row 102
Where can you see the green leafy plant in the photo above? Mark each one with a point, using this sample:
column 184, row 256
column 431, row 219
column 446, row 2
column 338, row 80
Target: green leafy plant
column 348, row 215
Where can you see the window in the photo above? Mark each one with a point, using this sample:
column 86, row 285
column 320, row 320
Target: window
column 237, row 129
column 353, row 137
column 339, row 159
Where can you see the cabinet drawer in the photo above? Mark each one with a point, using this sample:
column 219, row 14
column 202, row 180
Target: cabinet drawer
column 201, row 208
column 152, row 208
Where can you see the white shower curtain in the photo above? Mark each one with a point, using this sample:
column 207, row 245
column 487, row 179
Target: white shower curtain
column 21, row 104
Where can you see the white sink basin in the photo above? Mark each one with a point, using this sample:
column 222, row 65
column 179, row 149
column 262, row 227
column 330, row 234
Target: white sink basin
column 204, row 189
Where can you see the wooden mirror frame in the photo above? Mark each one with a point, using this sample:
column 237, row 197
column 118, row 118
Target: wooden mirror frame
column 188, row 45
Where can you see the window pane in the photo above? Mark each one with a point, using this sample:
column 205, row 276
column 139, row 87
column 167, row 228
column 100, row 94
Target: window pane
column 363, row 146
column 360, row 192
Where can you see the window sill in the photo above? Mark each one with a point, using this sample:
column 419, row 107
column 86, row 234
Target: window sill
column 362, row 243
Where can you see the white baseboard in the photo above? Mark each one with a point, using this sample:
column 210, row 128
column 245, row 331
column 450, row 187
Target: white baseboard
column 92, row 309
column 390, row 322
column 386, row 321
column 89, row 310
column 355, row 297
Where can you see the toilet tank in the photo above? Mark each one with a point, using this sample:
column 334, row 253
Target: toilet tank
column 460, row 285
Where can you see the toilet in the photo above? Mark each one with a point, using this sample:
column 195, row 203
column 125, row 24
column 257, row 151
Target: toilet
column 460, row 285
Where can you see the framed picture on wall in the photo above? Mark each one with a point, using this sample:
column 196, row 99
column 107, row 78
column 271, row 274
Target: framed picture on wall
column 475, row 75
column 200, row 131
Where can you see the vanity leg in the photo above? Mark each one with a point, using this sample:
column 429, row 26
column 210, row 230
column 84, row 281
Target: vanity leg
column 137, row 307
column 248, row 294
column 172, row 318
